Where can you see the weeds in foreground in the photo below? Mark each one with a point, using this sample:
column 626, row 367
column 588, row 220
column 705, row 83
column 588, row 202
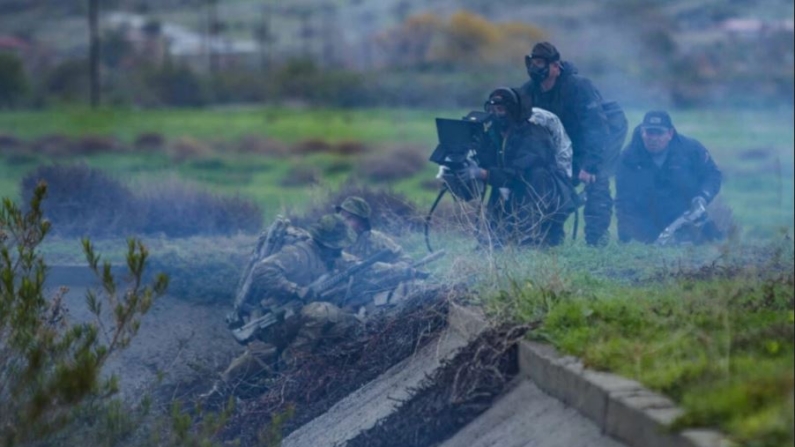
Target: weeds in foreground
column 50, row 368
column 718, row 339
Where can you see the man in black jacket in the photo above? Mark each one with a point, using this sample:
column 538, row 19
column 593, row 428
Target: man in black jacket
column 661, row 175
column 555, row 86
column 530, row 195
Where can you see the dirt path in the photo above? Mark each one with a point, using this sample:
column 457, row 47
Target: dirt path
column 177, row 339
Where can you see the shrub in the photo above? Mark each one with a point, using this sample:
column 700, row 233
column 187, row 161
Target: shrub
column 88, row 202
column 300, row 175
column 51, row 369
column 149, row 141
column 69, row 80
column 176, row 85
column 175, row 208
column 84, row 201
column 10, row 144
column 187, row 148
column 13, row 82
column 52, row 145
column 311, row 146
column 396, row 164
column 95, row 144
column 263, row 146
column 350, row 148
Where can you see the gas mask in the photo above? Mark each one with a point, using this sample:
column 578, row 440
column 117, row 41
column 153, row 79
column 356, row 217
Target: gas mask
column 536, row 73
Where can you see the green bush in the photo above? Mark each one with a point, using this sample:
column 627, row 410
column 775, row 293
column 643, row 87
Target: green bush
column 13, row 82
column 176, row 85
column 86, row 201
column 51, row 368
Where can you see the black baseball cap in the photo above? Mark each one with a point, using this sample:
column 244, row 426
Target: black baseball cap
column 657, row 119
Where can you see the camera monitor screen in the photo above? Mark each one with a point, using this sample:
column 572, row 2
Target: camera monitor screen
column 454, row 133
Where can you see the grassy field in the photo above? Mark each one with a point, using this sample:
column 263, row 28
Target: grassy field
column 712, row 327
column 753, row 148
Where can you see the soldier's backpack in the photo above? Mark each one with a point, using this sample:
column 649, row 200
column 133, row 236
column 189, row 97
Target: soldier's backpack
column 279, row 234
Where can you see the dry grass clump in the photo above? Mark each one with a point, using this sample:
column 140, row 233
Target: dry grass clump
column 311, row 146
column 338, row 167
column 187, row 148
column 52, row 145
column 253, row 144
column 395, row 164
column 84, row 201
column 300, row 175
column 721, row 213
column 95, row 144
column 149, row 141
column 350, row 148
column 10, row 144
column 177, row 208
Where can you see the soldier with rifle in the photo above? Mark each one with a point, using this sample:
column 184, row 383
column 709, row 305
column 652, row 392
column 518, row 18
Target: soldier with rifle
column 664, row 183
column 289, row 301
column 356, row 212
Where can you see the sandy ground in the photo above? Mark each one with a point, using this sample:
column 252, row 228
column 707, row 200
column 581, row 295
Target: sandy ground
column 178, row 340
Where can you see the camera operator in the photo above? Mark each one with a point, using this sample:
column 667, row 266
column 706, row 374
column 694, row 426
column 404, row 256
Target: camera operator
column 531, row 195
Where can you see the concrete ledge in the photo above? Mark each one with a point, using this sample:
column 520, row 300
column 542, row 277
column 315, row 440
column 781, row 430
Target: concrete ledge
column 622, row 408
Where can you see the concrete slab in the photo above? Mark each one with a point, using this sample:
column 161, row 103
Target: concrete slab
column 378, row 399
column 528, row 417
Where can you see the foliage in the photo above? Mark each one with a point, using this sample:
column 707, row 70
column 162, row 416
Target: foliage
column 718, row 339
column 466, row 40
column 13, row 81
column 83, row 200
column 176, row 85
column 68, row 81
column 89, row 202
column 50, row 367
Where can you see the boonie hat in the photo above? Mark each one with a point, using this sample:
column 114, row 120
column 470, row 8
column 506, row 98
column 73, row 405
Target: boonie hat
column 332, row 231
column 657, row 119
column 356, row 206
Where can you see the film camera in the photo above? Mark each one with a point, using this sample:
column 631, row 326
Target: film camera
column 459, row 143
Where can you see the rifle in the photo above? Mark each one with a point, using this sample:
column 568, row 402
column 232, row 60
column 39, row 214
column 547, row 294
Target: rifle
column 243, row 334
column 388, row 281
column 667, row 237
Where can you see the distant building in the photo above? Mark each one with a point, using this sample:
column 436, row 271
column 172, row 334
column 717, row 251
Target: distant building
column 180, row 43
column 754, row 27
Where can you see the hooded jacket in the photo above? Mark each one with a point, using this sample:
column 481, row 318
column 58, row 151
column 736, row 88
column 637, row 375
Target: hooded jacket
column 649, row 198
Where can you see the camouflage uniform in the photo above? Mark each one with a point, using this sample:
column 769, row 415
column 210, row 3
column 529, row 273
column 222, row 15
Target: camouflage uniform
column 279, row 279
column 370, row 242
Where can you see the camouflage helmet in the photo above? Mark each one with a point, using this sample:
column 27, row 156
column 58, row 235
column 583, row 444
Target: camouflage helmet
column 356, row 206
column 332, row 232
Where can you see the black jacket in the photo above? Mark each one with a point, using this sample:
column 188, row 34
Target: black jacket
column 578, row 104
column 649, row 198
column 540, row 192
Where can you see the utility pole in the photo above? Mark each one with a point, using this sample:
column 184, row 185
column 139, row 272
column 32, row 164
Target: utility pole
column 93, row 57
column 213, row 28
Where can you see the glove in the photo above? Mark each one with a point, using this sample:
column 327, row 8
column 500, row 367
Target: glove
column 234, row 320
column 698, row 204
column 472, row 172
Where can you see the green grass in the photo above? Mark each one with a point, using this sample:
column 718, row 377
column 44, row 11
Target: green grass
column 711, row 328
column 753, row 148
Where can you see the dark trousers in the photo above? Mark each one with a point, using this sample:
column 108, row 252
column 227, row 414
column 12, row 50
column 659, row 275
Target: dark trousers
column 598, row 211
